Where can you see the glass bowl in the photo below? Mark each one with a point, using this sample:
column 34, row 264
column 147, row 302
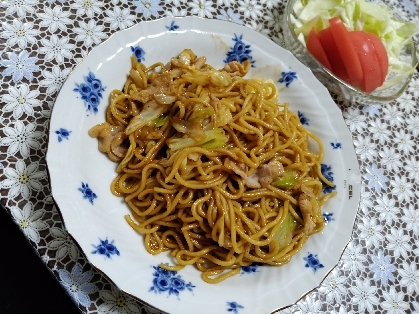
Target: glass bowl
column 335, row 84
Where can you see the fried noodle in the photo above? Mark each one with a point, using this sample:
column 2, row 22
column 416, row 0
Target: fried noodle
column 212, row 167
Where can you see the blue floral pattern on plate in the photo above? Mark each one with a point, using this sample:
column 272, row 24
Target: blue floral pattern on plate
column 240, row 52
column 313, row 262
column 303, row 119
column 169, row 281
column 328, row 174
column 87, row 192
column 253, row 268
column 138, row 52
column 62, row 134
column 234, row 307
column 91, row 92
column 172, row 26
column 105, row 248
column 336, row 145
column 287, row 78
column 328, row 217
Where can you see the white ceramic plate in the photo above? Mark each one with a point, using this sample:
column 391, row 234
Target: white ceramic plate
column 80, row 175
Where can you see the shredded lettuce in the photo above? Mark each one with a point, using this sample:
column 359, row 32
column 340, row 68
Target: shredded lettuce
column 359, row 15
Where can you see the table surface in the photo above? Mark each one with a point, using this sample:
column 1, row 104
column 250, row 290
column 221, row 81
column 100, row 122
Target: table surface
column 378, row 269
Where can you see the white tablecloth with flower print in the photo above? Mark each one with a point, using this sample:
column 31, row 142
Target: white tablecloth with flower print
column 41, row 42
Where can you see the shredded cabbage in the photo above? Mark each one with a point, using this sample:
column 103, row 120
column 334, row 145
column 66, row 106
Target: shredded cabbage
column 218, row 78
column 158, row 122
column 214, row 138
column 192, row 129
column 287, row 180
column 223, row 116
column 359, row 15
column 284, row 233
column 152, row 110
column 201, row 112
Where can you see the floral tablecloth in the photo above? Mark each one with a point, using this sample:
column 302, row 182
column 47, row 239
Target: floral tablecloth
column 42, row 41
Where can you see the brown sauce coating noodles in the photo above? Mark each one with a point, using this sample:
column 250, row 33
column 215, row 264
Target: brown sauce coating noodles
column 213, row 168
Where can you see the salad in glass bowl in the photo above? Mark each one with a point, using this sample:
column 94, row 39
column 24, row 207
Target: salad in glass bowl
column 358, row 49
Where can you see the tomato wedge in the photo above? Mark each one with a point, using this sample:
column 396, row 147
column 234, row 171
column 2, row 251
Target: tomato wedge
column 346, row 51
column 357, row 57
column 381, row 53
column 315, row 47
column 332, row 53
column 371, row 67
